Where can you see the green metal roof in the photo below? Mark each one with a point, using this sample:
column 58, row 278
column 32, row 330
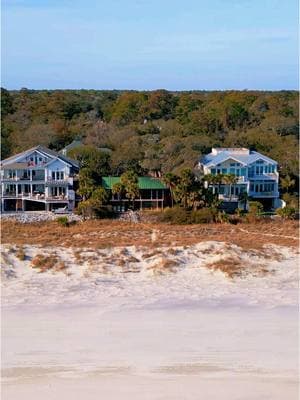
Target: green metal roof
column 145, row 182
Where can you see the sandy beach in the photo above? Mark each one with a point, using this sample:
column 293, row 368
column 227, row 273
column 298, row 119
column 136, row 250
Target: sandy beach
column 172, row 322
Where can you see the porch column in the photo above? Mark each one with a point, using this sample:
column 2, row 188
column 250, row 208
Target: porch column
column 17, row 190
column 30, row 174
column 2, row 205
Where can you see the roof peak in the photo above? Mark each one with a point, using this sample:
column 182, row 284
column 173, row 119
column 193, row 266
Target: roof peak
column 235, row 150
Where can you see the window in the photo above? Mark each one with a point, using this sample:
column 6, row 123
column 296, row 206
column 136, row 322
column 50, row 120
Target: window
column 257, row 170
column 259, row 162
column 273, row 168
column 243, row 171
column 237, row 172
column 232, row 170
column 266, row 169
column 53, row 174
column 224, row 170
column 213, row 171
column 232, row 164
column 218, row 170
column 251, row 187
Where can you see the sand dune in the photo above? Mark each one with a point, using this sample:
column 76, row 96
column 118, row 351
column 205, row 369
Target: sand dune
column 209, row 320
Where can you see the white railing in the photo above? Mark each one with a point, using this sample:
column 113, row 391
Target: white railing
column 29, row 196
column 227, row 197
column 59, row 181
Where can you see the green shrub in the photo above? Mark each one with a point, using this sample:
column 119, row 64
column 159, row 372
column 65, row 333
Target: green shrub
column 291, row 200
column 176, row 215
column 204, row 216
column 63, row 221
column 255, row 207
column 286, row 212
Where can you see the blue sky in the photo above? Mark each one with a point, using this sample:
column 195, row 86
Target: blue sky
column 150, row 44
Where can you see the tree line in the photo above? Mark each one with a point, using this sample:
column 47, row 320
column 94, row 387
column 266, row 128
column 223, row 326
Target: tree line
column 153, row 132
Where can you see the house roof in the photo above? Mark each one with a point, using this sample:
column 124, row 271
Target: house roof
column 16, row 165
column 43, row 150
column 144, row 182
column 72, row 145
column 244, row 158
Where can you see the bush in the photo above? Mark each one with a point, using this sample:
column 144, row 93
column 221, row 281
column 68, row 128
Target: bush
column 88, row 210
column 291, row 200
column 255, row 208
column 204, row 216
column 176, row 215
column 286, row 212
column 254, row 212
column 63, row 221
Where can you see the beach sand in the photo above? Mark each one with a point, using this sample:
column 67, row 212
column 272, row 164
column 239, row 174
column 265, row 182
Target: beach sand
column 190, row 333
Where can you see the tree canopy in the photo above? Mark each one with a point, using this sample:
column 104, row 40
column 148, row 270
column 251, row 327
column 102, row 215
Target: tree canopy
column 152, row 131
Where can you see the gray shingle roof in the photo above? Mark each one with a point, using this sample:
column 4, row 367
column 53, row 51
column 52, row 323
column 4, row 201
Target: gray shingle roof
column 45, row 151
column 246, row 159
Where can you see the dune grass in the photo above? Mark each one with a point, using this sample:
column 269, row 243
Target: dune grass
column 106, row 233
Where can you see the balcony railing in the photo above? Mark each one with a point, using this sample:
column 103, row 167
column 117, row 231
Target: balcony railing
column 227, row 197
column 64, row 181
column 37, row 197
column 22, row 178
column 264, row 194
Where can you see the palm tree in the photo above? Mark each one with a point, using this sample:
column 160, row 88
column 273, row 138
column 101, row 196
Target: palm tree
column 171, row 181
column 287, row 182
column 219, row 180
column 210, row 179
column 230, row 179
column 243, row 197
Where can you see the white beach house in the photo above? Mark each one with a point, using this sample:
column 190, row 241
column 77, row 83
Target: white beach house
column 37, row 179
column 256, row 174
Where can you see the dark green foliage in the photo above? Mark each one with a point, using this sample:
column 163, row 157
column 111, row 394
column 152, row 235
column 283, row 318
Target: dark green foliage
column 156, row 131
column 64, row 221
column 287, row 212
column 176, row 215
column 179, row 215
column 204, row 216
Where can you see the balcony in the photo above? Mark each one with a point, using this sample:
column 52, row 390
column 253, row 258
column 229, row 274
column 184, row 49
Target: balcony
column 264, row 194
column 227, row 197
column 21, row 179
column 35, row 197
column 59, row 182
